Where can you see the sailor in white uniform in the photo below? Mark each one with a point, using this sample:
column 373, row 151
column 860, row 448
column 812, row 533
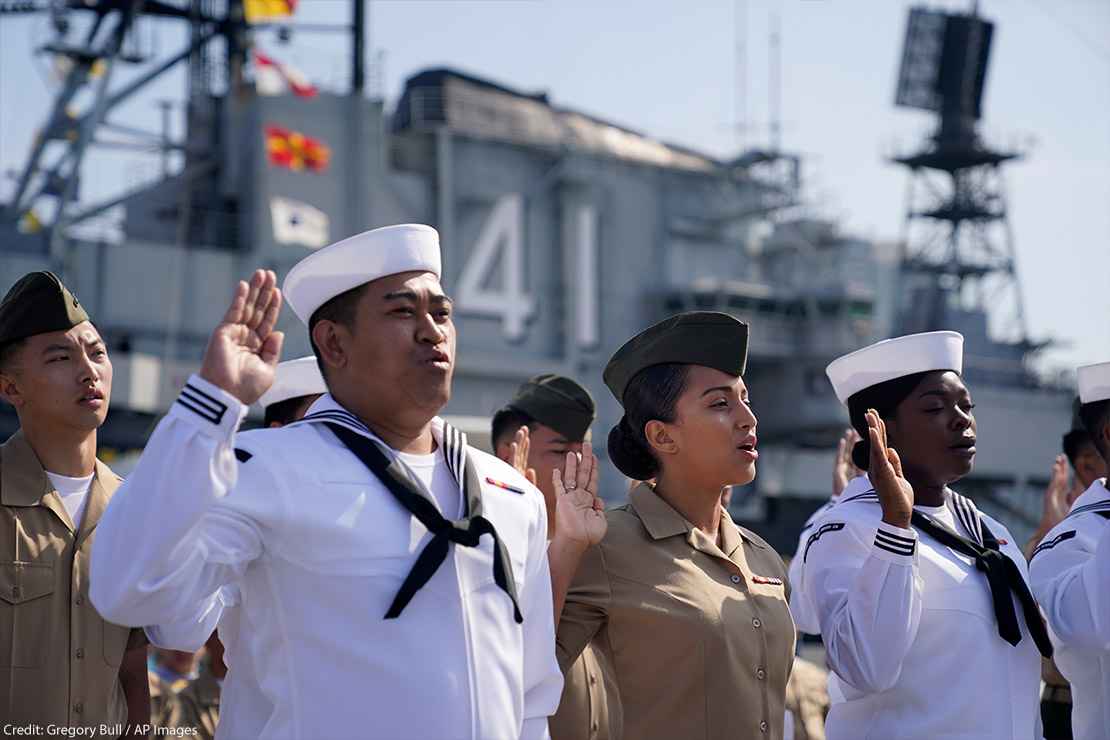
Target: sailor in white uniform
column 394, row 581
column 297, row 384
column 1070, row 572
column 922, row 601
column 844, row 470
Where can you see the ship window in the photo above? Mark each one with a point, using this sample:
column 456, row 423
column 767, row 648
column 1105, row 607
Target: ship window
column 817, row 384
column 738, row 302
column 859, row 309
column 705, row 300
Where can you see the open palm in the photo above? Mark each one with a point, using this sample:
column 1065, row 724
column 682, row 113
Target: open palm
column 579, row 512
column 885, row 471
column 518, row 450
column 243, row 350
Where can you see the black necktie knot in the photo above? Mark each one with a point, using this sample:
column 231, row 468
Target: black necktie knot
column 1003, row 577
column 987, row 560
column 466, row 532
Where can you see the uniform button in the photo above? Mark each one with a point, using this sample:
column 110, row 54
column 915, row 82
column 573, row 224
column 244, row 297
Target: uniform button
column 763, row 726
column 80, row 653
column 761, row 674
column 16, row 590
column 594, row 727
column 79, row 600
column 593, row 680
column 756, row 622
column 735, row 578
column 79, row 707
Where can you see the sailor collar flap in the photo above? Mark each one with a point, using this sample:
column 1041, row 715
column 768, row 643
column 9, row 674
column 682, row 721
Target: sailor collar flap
column 1095, row 500
column 449, row 441
column 412, row 495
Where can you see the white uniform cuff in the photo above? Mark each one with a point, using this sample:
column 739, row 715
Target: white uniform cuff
column 895, row 544
column 212, row 409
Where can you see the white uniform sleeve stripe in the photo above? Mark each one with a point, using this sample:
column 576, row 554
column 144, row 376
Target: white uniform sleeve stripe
column 204, row 399
column 896, row 538
column 895, row 548
column 908, row 553
column 200, row 411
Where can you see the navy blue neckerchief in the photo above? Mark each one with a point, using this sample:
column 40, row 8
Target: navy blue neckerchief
column 1003, row 576
column 465, row 532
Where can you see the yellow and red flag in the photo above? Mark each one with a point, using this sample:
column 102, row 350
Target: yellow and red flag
column 274, row 78
column 293, row 150
column 260, row 11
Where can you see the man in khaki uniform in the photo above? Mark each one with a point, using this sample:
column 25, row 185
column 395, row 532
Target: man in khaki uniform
column 185, row 690
column 549, row 416
column 61, row 664
column 807, row 699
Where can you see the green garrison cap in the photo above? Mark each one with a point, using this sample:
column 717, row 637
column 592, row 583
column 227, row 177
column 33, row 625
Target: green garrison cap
column 558, row 402
column 708, row 338
column 38, row 303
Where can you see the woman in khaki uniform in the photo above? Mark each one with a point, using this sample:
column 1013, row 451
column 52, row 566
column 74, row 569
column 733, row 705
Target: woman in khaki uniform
column 689, row 609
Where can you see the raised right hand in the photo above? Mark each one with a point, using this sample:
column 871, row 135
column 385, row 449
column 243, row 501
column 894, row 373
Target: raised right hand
column 519, row 448
column 579, row 511
column 885, row 471
column 1056, row 495
column 844, row 469
column 243, row 351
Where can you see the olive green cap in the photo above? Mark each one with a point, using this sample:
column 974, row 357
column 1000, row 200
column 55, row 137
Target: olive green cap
column 36, row 304
column 558, row 402
column 707, row 338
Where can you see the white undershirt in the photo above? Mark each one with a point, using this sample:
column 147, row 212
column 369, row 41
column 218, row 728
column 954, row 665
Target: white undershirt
column 944, row 515
column 433, row 473
column 74, row 492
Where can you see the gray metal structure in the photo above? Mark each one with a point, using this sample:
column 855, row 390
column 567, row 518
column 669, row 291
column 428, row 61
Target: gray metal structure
column 563, row 234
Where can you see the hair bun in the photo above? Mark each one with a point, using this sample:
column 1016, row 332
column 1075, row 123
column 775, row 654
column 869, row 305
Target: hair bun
column 629, row 454
column 861, row 454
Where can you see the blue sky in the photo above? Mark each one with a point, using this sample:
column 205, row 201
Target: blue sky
column 668, row 68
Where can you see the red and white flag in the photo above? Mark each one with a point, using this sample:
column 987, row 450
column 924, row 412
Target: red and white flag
column 274, row 78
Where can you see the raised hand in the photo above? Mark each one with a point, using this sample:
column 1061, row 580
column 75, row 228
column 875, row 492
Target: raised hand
column 843, row 468
column 243, row 350
column 885, row 471
column 579, row 512
column 519, row 450
column 1057, row 502
column 1056, row 495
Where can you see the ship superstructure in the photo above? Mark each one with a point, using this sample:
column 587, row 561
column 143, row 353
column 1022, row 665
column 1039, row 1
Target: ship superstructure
column 563, row 235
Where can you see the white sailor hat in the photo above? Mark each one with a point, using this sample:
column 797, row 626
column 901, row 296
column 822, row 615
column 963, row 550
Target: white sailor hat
column 1094, row 382
column 357, row 260
column 895, row 358
column 294, row 378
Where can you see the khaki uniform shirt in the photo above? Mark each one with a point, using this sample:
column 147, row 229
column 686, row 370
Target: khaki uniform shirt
column 590, row 708
column 699, row 636
column 59, row 661
column 192, row 706
column 807, row 698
